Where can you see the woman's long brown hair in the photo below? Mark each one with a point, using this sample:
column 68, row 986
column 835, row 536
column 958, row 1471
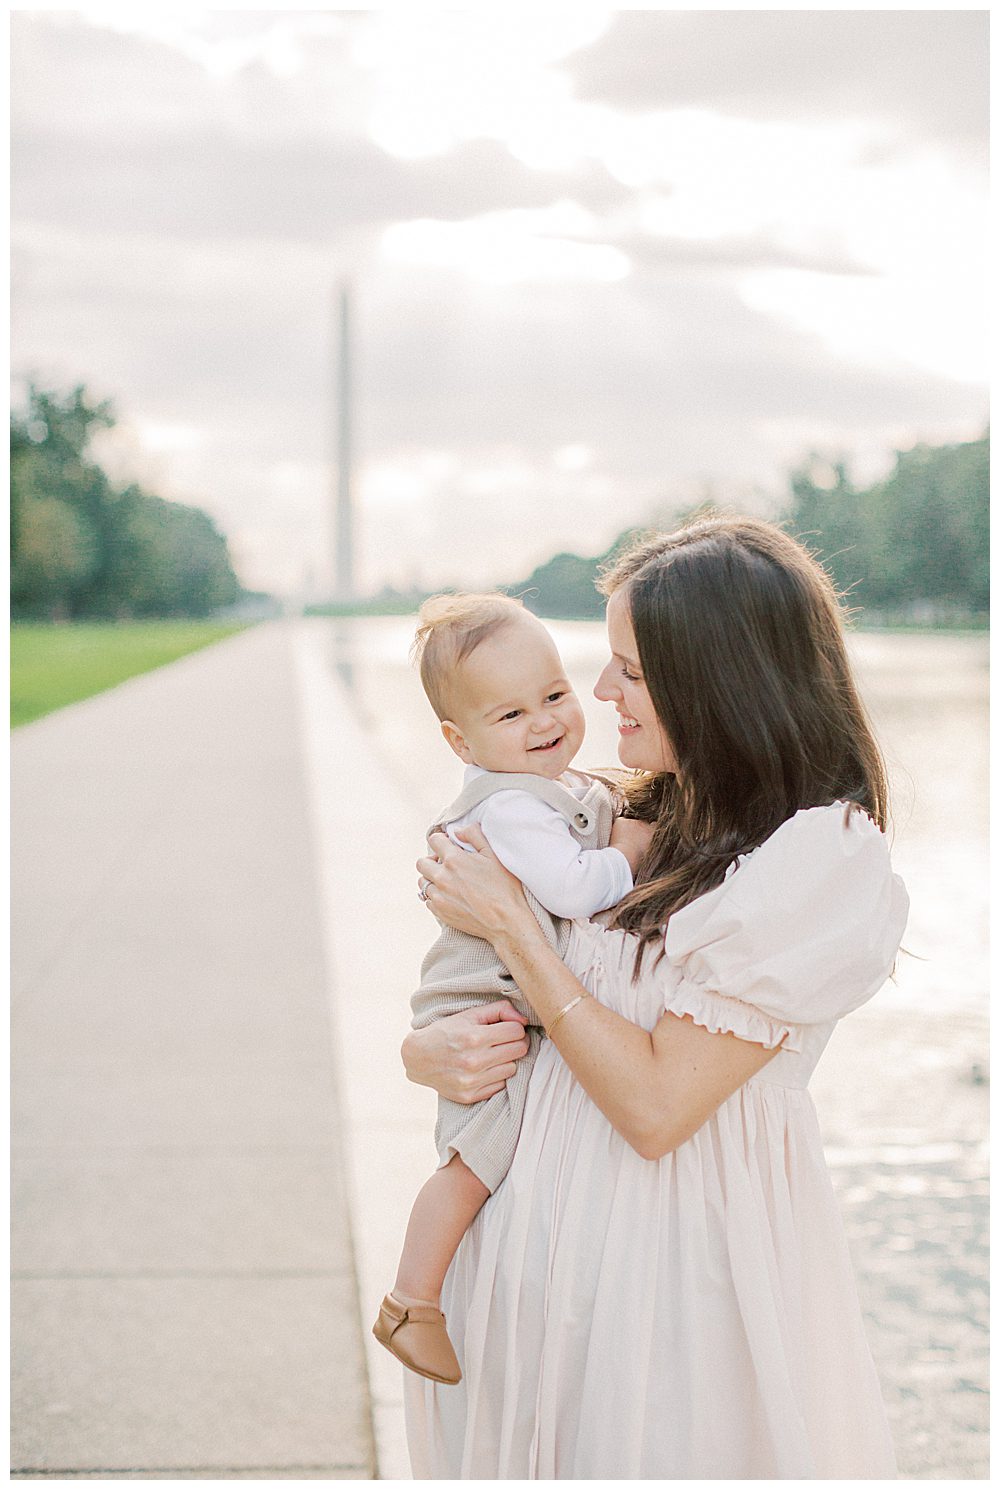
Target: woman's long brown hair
column 740, row 638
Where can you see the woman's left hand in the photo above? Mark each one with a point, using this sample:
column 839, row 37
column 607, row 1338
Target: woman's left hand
column 472, row 892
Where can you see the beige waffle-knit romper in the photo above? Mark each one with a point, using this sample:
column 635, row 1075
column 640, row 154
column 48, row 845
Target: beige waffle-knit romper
column 462, row 972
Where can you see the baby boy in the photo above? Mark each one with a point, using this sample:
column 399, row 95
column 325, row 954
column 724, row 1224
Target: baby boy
column 496, row 682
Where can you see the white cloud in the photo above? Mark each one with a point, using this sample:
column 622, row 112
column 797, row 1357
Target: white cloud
column 502, row 249
column 924, row 73
column 224, row 43
column 873, row 322
column 573, row 457
column 444, row 77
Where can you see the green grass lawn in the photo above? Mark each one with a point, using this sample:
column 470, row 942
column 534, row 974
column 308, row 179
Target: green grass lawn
column 51, row 666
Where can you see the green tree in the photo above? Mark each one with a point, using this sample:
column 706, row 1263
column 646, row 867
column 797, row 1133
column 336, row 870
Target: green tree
column 919, row 536
column 828, row 516
column 55, row 494
column 563, row 587
column 930, row 527
column 81, row 546
column 171, row 560
column 55, row 554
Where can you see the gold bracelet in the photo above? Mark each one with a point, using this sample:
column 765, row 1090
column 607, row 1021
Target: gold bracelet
column 565, row 1010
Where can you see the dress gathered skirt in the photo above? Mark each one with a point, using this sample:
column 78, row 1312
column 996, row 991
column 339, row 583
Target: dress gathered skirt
column 695, row 1316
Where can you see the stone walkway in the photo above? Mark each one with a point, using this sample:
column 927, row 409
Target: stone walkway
column 184, row 1295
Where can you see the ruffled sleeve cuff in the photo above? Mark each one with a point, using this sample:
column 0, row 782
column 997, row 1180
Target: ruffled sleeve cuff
column 723, row 1015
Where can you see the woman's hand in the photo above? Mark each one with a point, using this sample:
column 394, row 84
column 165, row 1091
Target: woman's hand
column 467, row 1057
column 473, row 892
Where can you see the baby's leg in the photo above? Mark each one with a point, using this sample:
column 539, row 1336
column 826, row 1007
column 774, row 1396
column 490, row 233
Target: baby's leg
column 442, row 1213
column 409, row 1323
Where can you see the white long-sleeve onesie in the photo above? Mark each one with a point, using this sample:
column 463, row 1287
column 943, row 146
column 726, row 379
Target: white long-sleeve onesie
column 533, row 841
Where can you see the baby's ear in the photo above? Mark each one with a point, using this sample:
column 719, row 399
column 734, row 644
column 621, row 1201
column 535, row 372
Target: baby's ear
column 456, row 740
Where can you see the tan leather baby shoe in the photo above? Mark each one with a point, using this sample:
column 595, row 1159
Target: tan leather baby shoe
column 416, row 1335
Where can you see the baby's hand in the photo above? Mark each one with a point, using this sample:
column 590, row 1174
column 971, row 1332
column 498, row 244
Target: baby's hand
column 632, row 838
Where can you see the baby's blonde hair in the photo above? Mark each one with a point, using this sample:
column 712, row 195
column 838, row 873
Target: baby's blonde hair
column 449, row 629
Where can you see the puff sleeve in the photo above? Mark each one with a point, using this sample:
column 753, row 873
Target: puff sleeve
column 804, row 929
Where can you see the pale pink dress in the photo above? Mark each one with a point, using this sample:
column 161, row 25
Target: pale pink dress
column 695, row 1316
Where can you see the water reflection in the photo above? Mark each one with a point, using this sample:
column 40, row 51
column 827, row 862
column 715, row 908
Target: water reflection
column 340, row 648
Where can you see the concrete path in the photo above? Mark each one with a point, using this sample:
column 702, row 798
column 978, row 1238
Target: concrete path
column 184, row 1297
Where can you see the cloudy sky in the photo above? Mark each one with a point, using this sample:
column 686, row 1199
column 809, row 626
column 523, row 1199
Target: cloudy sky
column 602, row 261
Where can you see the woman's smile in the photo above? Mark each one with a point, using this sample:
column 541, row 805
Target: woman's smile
column 621, row 683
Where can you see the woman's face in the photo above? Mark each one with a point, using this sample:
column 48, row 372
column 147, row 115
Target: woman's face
column 643, row 743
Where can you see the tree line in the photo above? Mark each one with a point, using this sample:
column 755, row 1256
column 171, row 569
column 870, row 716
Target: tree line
column 83, row 547
column 912, row 548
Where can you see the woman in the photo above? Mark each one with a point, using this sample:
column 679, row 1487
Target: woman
column 661, row 1287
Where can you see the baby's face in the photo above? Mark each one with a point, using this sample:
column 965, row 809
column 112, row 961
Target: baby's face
column 514, row 709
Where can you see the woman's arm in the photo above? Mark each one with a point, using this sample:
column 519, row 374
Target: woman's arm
column 656, row 1088
column 469, row 1057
